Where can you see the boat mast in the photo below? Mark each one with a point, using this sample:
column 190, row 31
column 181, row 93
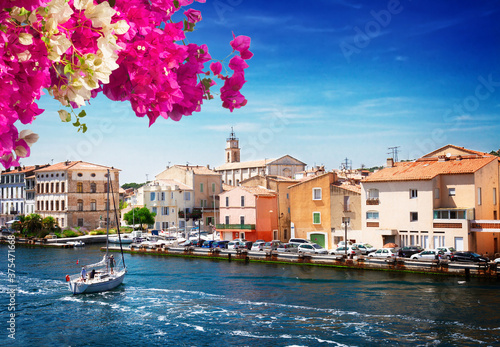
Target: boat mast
column 107, row 218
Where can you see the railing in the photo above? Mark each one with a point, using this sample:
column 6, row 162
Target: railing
column 236, row 226
column 372, row 201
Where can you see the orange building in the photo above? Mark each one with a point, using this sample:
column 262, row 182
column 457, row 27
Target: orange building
column 310, row 209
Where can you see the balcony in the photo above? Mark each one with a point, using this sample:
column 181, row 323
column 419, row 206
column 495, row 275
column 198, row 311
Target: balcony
column 372, row 201
column 236, row 226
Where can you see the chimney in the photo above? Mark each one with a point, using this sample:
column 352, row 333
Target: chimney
column 208, row 166
column 390, row 162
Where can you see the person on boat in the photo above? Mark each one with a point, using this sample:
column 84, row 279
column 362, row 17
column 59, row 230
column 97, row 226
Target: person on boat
column 83, row 273
column 92, row 274
column 111, row 263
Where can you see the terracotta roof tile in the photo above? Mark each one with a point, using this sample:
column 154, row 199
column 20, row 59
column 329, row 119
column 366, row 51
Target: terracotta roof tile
column 75, row 165
column 259, row 191
column 198, row 170
column 428, row 169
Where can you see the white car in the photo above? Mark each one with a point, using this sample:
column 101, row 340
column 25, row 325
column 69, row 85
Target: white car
column 365, row 248
column 429, row 254
column 448, row 251
column 342, row 243
column 383, row 253
column 298, row 241
column 351, row 250
column 235, row 244
column 497, row 260
column 311, row 248
column 258, row 246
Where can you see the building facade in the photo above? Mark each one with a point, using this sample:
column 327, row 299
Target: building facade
column 249, row 213
column 448, row 197
column 75, row 194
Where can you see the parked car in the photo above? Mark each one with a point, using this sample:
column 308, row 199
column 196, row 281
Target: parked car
column 469, row 257
column 342, row 243
column 365, row 248
column 311, row 248
column 298, row 241
column 383, row 253
column 349, row 250
column 220, row 244
column 258, row 246
column 187, row 243
column 408, row 251
column 271, row 245
column 429, row 254
column 207, row 244
column 233, row 244
column 288, row 247
column 497, row 260
column 448, row 251
column 245, row 244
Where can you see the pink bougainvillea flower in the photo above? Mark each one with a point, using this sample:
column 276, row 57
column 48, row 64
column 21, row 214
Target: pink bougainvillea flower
column 240, row 43
column 216, row 68
column 193, row 16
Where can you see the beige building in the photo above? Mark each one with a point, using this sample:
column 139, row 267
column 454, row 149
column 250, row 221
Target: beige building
column 346, row 211
column 205, row 185
column 234, row 171
column 75, row 193
column 446, row 198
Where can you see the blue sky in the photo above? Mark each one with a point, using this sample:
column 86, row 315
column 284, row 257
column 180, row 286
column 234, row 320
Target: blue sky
column 329, row 80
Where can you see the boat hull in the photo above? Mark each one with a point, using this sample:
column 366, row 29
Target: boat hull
column 97, row 286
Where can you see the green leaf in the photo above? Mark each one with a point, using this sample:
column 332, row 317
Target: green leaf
column 45, row 39
column 84, row 128
column 68, row 69
column 206, row 83
column 111, row 4
column 82, row 114
column 77, row 123
column 176, row 4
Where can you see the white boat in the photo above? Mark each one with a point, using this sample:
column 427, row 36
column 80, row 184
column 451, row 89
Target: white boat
column 76, row 243
column 125, row 239
column 102, row 276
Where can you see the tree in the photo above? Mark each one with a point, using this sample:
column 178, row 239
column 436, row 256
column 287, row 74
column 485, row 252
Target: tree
column 130, row 50
column 497, row 153
column 33, row 224
column 123, row 204
column 19, row 225
column 140, row 216
column 132, row 185
column 49, row 223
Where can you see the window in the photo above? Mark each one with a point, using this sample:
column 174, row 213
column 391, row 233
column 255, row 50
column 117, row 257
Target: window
column 187, row 196
column 451, row 191
column 62, row 187
column 57, row 187
column 227, row 201
column 52, row 187
column 373, row 194
column 494, row 196
column 163, row 196
column 242, row 219
column 242, row 201
column 436, row 193
column 152, row 196
column 79, row 187
column 316, row 193
column 479, row 196
column 79, row 174
column 203, row 203
column 62, row 205
column 347, row 207
column 316, row 217
column 93, row 188
column 80, row 222
column 213, row 187
column 413, row 216
column 93, row 205
column 287, row 196
column 372, row 215
column 52, row 205
column 154, row 210
column 413, row 193
column 227, row 220
column 80, row 205
column 164, row 225
column 57, row 205
column 106, row 187
column 201, row 187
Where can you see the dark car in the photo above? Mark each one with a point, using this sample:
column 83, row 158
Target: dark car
column 208, row 244
column 245, row 245
column 469, row 257
column 220, row 244
column 408, row 251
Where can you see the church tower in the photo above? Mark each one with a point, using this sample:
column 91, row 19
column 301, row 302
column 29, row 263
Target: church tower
column 232, row 150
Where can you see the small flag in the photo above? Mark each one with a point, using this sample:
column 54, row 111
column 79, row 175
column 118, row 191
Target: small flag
column 77, row 262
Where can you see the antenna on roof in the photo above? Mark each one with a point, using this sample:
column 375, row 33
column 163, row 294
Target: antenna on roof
column 394, row 153
column 346, row 165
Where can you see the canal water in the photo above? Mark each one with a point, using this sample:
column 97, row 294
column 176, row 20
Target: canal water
column 169, row 301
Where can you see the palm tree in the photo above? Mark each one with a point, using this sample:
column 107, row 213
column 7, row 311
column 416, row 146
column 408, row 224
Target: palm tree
column 20, row 224
column 33, row 224
column 49, row 223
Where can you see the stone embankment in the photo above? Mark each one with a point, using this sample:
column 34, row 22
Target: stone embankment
column 442, row 267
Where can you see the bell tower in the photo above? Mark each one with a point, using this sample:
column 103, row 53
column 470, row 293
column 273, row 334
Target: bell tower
column 232, row 149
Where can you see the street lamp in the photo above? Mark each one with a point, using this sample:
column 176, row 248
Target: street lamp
column 345, row 225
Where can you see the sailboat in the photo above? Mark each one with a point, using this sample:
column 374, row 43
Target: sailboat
column 104, row 275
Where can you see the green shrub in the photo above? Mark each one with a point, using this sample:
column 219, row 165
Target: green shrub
column 69, row 233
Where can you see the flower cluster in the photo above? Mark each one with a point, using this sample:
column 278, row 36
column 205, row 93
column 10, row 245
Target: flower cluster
column 131, row 50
